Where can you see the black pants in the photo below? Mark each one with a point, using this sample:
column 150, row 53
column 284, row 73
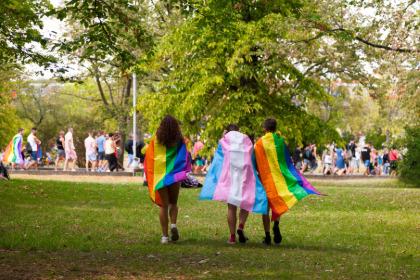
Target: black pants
column 112, row 161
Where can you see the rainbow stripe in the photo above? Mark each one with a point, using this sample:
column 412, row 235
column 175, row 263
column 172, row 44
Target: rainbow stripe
column 232, row 177
column 13, row 153
column 165, row 166
column 283, row 183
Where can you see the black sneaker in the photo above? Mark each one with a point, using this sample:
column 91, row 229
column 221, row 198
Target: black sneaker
column 174, row 234
column 267, row 240
column 242, row 237
column 277, row 235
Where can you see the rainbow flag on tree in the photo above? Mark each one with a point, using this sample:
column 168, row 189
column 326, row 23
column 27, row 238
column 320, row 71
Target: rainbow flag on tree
column 13, row 153
column 165, row 166
column 283, row 183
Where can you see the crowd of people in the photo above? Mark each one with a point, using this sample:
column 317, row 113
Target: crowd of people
column 360, row 158
column 102, row 152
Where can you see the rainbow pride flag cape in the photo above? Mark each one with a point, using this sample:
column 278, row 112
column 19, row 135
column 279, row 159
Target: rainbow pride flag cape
column 165, row 166
column 13, row 153
column 232, row 177
column 283, row 183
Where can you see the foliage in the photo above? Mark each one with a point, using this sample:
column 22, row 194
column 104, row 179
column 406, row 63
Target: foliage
column 9, row 121
column 409, row 168
column 55, row 108
column 20, row 24
column 240, row 73
column 377, row 138
column 92, row 230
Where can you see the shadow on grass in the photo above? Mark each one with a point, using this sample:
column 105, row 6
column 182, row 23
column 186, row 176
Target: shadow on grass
column 221, row 244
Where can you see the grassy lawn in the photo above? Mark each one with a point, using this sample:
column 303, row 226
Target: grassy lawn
column 363, row 230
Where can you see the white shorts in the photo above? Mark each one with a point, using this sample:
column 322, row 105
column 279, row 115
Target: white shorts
column 91, row 157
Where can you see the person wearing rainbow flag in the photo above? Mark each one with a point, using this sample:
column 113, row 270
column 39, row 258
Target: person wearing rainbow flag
column 283, row 183
column 13, row 152
column 166, row 165
column 232, row 178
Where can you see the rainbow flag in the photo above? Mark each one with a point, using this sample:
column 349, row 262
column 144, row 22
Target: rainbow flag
column 165, row 166
column 232, row 177
column 13, row 153
column 283, row 183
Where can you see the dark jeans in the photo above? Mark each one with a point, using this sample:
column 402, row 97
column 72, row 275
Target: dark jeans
column 112, row 161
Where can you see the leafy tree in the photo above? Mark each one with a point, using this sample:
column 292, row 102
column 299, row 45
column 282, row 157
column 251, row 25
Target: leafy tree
column 409, row 168
column 109, row 37
column 20, row 24
column 9, row 121
column 235, row 61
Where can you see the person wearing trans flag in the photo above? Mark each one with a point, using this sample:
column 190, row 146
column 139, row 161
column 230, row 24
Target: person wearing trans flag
column 232, row 178
column 283, row 183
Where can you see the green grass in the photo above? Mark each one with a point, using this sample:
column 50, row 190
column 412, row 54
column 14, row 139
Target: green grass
column 78, row 230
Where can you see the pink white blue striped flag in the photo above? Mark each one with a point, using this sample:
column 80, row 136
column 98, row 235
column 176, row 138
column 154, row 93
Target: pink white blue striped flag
column 232, row 177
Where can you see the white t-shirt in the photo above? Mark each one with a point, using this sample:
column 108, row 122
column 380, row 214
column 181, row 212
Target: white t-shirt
column 68, row 141
column 327, row 159
column 109, row 149
column 90, row 145
column 32, row 142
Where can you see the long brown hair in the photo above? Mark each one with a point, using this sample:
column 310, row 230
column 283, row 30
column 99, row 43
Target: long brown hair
column 169, row 134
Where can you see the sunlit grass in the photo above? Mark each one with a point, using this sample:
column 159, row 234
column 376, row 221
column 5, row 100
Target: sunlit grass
column 50, row 229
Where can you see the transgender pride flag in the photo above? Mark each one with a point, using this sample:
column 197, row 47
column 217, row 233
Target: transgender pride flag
column 232, row 177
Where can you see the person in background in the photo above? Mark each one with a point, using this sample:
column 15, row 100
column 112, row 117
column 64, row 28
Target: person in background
column 90, row 147
column 70, row 150
column 393, row 159
column 297, row 157
column 351, row 156
column 13, row 152
column 357, row 160
column 61, row 154
column 366, row 158
column 307, row 155
column 118, row 151
column 340, row 166
column 110, row 152
column 313, row 158
column 327, row 162
column 100, row 144
column 33, row 144
column 129, row 149
column 198, row 160
column 385, row 162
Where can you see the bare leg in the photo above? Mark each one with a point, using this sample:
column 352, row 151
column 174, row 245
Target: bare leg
column 66, row 161
column 231, row 218
column 173, row 202
column 243, row 215
column 266, row 222
column 163, row 214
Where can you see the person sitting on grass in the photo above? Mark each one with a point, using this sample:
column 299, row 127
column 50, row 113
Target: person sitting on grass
column 166, row 165
column 232, row 178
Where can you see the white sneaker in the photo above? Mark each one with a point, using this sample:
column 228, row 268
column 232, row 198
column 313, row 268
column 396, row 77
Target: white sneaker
column 164, row 240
